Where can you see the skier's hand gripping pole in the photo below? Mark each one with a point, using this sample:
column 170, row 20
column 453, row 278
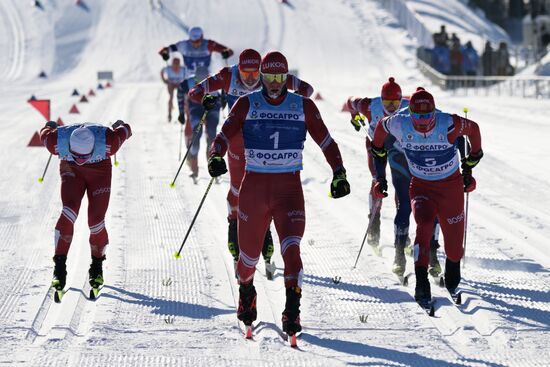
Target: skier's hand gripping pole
column 195, row 135
column 177, row 254
column 41, row 179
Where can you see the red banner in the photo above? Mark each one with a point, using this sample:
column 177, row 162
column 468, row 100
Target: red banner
column 43, row 106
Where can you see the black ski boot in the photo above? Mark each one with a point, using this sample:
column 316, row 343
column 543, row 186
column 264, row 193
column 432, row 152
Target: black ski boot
column 96, row 272
column 291, row 314
column 267, row 250
column 435, row 267
column 247, row 312
column 59, row 272
column 452, row 275
column 399, row 262
column 422, row 291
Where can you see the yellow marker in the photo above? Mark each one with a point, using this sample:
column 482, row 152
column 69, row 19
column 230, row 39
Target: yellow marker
column 172, row 185
column 40, row 179
column 116, row 164
column 177, row 255
column 465, row 110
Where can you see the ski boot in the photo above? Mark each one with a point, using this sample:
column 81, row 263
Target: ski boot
column 233, row 242
column 434, row 268
column 373, row 237
column 96, row 276
column 59, row 277
column 452, row 280
column 291, row 314
column 399, row 262
column 267, row 252
column 194, row 166
column 422, row 291
column 247, row 312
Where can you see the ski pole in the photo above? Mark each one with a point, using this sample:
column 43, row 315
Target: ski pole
column 377, row 206
column 41, row 179
column 224, row 97
column 177, row 254
column 195, row 134
column 467, row 196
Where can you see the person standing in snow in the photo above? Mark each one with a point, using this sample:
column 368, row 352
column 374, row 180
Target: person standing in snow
column 85, row 167
column 274, row 123
column 172, row 76
column 196, row 51
column 239, row 80
column 375, row 109
column 429, row 140
column 195, row 111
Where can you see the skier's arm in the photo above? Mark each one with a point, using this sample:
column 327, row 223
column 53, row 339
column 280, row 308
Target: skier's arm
column 232, row 126
column 163, row 77
column 319, row 132
column 377, row 149
column 464, row 127
column 299, row 86
column 215, row 82
column 116, row 136
column 48, row 137
column 214, row 46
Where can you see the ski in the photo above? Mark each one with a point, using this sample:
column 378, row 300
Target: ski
column 293, row 341
column 456, row 296
column 428, row 306
column 248, row 332
column 269, row 270
column 58, row 295
column 404, row 279
column 94, row 293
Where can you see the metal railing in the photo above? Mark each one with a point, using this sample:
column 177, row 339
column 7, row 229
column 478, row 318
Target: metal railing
column 520, row 86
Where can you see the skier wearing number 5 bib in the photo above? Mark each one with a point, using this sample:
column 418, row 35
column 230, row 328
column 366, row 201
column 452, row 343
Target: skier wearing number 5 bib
column 429, row 140
column 274, row 123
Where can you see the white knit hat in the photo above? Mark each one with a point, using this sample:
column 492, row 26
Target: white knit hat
column 82, row 141
column 195, row 33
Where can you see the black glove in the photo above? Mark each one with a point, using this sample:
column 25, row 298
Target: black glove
column 209, row 102
column 51, row 124
column 471, row 160
column 164, row 53
column 216, row 166
column 117, row 124
column 339, row 187
column 181, row 118
column 226, row 53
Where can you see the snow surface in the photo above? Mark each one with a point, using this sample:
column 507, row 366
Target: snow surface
column 158, row 311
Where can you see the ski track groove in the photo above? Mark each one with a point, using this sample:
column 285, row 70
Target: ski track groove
column 12, row 17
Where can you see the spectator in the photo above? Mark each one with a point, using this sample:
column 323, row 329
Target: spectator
column 454, row 39
column 441, row 59
column 502, row 60
column 456, row 58
column 471, row 59
column 487, row 59
column 441, row 38
column 544, row 37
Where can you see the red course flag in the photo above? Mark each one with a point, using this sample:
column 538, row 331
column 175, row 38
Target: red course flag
column 35, row 140
column 91, row 93
column 60, row 122
column 108, row 85
column 74, row 109
column 318, row 97
column 84, row 99
column 42, row 105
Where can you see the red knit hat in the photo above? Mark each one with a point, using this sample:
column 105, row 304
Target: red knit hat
column 391, row 90
column 422, row 101
column 274, row 62
column 250, row 59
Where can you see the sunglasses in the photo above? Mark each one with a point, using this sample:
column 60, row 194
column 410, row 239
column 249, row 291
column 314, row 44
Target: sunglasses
column 391, row 102
column 247, row 74
column 270, row 78
column 422, row 116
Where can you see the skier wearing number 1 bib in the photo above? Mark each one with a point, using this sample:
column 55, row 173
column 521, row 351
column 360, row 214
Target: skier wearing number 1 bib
column 274, row 123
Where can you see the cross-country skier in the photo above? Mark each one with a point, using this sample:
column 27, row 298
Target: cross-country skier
column 172, row 76
column 195, row 112
column 196, row 51
column 429, row 140
column 274, row 123
column 238, row 80
column 375, row 109
column 85, row 168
